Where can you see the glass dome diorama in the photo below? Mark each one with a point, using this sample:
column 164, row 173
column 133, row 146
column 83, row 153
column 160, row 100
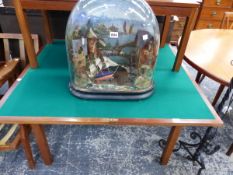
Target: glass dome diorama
column 112, row 48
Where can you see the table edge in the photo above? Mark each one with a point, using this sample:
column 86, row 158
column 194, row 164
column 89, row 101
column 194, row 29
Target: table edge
column 110, row 121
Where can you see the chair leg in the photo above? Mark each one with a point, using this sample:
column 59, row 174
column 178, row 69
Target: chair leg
column 230, row 151
column 24, row 133
column 199, row 77
column 218, row 94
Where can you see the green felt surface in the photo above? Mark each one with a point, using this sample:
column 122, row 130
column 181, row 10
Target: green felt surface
column 44, row 92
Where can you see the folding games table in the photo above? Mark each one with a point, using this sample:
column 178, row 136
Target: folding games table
column 41, row 96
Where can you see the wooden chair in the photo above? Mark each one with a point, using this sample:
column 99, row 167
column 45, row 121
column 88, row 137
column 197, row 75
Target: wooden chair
column 10, row 131
column 227, row 22
column 12, row 135
column 8, row 68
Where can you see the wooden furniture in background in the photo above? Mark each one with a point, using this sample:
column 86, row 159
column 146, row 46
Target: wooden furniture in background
column 9, row 71
column 215, row 64
column 212, row 12
column 227, row 22
column 165, row 8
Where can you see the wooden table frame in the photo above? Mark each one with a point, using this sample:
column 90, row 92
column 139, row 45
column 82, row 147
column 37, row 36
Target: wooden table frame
column 165, row 8
column 36, row 125
column 161, row 7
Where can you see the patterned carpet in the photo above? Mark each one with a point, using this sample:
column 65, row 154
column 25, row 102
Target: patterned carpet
column 114, row 150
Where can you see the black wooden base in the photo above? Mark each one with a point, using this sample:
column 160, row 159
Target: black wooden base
column 110, row 96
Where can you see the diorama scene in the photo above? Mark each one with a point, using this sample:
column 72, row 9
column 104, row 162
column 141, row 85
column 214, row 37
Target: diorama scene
column 112, row 52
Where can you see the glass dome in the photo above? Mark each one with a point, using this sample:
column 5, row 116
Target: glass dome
column 112, row 48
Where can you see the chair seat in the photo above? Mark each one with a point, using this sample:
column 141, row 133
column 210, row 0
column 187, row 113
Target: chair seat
column 7, row 70
column 10, row 138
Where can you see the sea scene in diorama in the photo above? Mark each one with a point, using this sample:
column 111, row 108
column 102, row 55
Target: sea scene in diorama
column 111, row 55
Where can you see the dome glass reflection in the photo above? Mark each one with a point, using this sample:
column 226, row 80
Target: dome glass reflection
column 112, row 48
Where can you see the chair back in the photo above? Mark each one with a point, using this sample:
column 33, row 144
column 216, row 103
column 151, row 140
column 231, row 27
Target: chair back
column 6, row 37
column 227, row 21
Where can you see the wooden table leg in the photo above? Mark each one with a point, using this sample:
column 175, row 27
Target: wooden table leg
column 189, row 25
column 218, row 94
column 26, row 33
column 171, row 141
column 42, row 143
column 166, row 28
column 47, row 27
column 24, row 137
column 230, row 151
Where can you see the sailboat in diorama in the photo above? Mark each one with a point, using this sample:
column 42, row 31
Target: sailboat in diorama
column 101, row 68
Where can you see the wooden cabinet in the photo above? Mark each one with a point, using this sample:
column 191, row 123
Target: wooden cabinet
column 203, row 24
column 218, row 3
column 212, row 12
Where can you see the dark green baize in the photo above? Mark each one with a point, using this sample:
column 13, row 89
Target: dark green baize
column 45, row 92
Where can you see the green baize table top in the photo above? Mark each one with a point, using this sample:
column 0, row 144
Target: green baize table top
column 44, row 92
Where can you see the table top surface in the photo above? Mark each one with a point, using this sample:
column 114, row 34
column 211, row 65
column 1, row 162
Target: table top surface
column 211, row 52
column 42, row 96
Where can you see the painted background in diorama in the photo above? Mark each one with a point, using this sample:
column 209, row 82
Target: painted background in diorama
column 111, row 53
